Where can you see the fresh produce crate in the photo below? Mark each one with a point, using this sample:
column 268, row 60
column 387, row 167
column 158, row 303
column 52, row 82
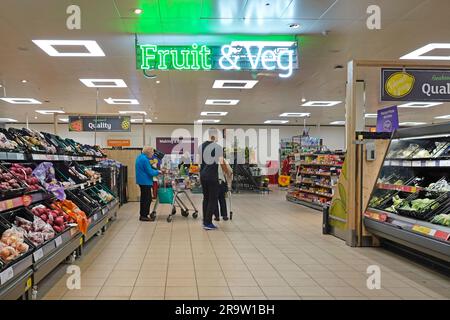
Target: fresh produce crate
column 24, row 173
column 41, row 248
column 17, row 265
column 52, row 215
column 84, row 202
column 10, row 186
column 72, row 173
column 418, row 206
column 20, row 144
column 32, row 145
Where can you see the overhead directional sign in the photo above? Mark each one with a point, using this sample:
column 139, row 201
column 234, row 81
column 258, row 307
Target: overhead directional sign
column 238, row 56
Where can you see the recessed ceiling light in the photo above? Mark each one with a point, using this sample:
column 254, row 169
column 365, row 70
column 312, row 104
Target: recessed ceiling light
column 49, row 111
column 443, row 117
column 213, row 113
column 221, row 102
column 294, row 26
column 64, row 119
column 156, row 118
column 1, row 86
column 91, row 46
column 420, row 104
column 35, row 118
column 371, row 115
column 121, row 101
column 295, row 114
column 132, row 112
column 234, row 84
column 104, row 83
column 419, row 53
column 7, row 120
column 411, row 123
column 158, row 82
column 138, row 11
column 140, row 120
column 24, row 81
column 207, row 121
column 276, row 121
column 303, row 100
column 21, row 100
column 339, row 122
column 321, row 103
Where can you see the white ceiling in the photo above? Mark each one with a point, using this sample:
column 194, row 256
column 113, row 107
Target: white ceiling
column 181, row 95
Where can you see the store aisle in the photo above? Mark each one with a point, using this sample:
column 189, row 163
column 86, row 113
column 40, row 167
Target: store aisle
column 272, row 249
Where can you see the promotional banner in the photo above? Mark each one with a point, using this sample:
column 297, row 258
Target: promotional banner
column 100, row 123
column 169, row 145
column 387, row 119
column 119, row 142
column 415, row 85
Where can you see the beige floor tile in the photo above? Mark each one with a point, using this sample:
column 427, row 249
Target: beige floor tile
column 96, row 274
column 408, row 292
column 209, row 273
column 123, row 274
column 116, row 291
column 120, row 282
column 212, row 282
column 144, row 274
column 216, row 298
column 111, row 298
column 282, row 291
column 313, row 291
column 181, row 282
column 213, row 292
column 246, row 291
column 148, row 292
column 237, row 274
column 318, row 298
column 84, row 291
column 321, row 274
column 150, row 282
column 78, row 298
column 343, row 291
column 314, row 267
column 250, row 298
column 284, row 298
column 92, row 282
column 331, row 282
column 186, row 297
column 181, row 292
column 127, row 267
column 302, row 282
column 271, row 282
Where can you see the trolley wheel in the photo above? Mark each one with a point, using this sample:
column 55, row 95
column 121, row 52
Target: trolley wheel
column 153, row 216
column 185, row 213
column 169, row 219
column 195, row 214
column 231, row 215
column 174, row 211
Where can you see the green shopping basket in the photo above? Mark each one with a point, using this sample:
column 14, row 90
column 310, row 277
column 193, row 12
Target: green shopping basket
column 165, row 195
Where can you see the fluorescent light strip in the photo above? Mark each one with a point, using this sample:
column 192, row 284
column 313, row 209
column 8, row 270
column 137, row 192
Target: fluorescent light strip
column 371, row 115
column 115, row 83
column 91, row 46
column 140, row 120
column 121, row 101
column 49, row 111
column 21, row 100
column 420, row 104
column 213, row 113
column 419, row 53
column 7, row 120
column 249, row 84
column 208, row 121
column 133, row 112
column 443, row 117
column 295, row 114
column 276, row 121
column 221, row 102
column 321, row 103
column 411, row 123
column 283, row 44
column 339, row 122
column 64, row 119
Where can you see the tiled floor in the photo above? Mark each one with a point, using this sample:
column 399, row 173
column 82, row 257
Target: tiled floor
column 272, row 249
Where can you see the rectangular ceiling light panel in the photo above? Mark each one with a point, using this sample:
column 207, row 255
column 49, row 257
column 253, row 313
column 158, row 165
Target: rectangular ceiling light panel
column 92, row 49
column 234, row 84
column 21, row 100
column 208, row 121
column 104, row 83
column 321, row 103
column 276, row 121
column 213, row 113
column 121, row 101
column 49, row 111
column 419, row 53
column 339, row 122
column 221, row 102
column 133, row 112
column 7, row 120
column 420, row 104
column 295, row 114
column 411, row 123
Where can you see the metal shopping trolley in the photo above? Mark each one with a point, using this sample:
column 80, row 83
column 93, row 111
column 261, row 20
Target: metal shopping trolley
column 170, row 190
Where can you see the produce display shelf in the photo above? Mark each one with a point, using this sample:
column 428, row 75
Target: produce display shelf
column 316, row 174
column 417, row 163
column 18, row 287
column 69, row 243
column 396, row 187
column 316, row 193
column 99, row 220
column 305, row 203
column 84, row 184
column 12, row 156
column 321, row 164
column 19, row 201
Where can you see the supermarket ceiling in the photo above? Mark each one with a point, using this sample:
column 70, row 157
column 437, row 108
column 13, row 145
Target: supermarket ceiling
column 330, row 33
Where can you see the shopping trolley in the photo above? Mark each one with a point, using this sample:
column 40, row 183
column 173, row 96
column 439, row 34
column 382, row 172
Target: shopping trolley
column 170, row 190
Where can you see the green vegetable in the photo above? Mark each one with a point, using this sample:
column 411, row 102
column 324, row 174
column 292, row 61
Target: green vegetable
column 442, row 219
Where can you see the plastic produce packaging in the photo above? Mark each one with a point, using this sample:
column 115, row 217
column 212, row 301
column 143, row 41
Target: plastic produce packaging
column 46, row 175
column 12, row 244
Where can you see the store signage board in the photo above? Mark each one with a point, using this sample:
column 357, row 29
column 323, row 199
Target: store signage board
column 240, row 56
column 387, row 119
column 119, row 142
column 100, row 123
column 418, row 85
column 168, row 145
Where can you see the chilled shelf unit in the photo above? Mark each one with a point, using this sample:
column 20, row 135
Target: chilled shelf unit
column 316, row 176
column 410, row 203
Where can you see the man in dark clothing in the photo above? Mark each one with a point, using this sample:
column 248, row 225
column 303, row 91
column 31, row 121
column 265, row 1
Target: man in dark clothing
column 211, row 153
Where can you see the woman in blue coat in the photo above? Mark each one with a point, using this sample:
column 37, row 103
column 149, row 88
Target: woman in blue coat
column 144, row 178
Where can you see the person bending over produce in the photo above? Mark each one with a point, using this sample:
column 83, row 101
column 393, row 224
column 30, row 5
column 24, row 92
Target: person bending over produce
column 144, row 178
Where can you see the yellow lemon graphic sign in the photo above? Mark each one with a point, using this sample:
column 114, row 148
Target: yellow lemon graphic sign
column 125, row 124
column 399, row 84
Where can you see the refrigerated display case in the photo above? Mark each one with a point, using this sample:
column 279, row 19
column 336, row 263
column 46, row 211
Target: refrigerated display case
column 410, row 202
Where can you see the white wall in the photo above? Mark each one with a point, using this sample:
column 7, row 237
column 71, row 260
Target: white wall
column 333, row 137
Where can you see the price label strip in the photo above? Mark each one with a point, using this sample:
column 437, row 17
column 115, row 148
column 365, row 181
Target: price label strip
column 38, row 255
column 58, row 241
column 424, row 230
column 6, row 275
